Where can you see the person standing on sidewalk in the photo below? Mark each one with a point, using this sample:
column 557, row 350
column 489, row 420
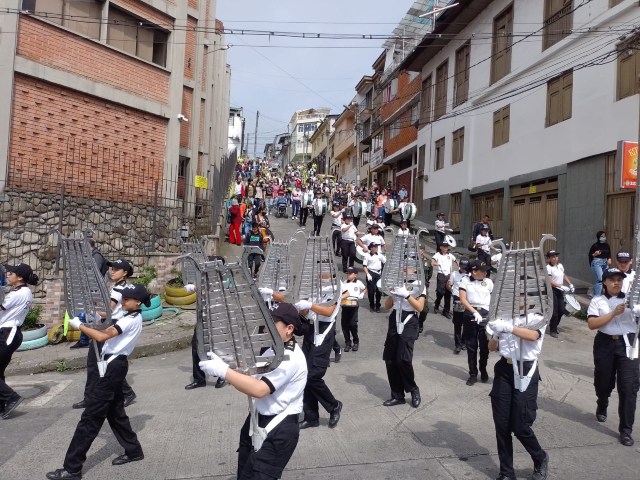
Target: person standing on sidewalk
column 557, row 277
column 445, row 262
column 296, row 199
column 235, row 222
column 350, row 307
column 599, row 260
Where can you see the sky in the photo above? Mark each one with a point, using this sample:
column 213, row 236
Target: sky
column 270, row 76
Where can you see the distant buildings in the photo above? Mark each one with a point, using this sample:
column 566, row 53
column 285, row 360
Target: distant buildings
column 236, row 131
column 302, row 126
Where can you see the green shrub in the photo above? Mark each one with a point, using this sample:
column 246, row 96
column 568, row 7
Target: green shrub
column 33, row 317
column 147, row 273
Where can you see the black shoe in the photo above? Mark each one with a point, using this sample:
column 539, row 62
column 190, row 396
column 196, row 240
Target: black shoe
column 338, row 355
column 372, row 308
column 122, row 459
column 61, row 473
column 355, row 347
column 193, row 385
column 11, row 405
column 541, row 472
column 554, row 334
column 420, row 330
column 472, row 380
column 415, row 398
column 457, row 350
column 128, row 399
column 378, row 309
column 435, row 309
column 334, row 416
column 601, row 414
column 446, row 314
column 484, row 376
column 392, row 402
column 79, row 345
column 626, row 440
column 308, row 424
column 79, row 405
column 347, row 348
column 221, row 382
column 464, row 348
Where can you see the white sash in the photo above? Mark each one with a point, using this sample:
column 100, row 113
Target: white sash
column 12, row 334
column 632, row 350
column 103, row 364
column 318, row 338
column 520, row 382
column 256, row 432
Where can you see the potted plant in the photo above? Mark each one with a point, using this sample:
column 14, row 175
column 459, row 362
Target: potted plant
column 147, row 274
column 34, row 333
column 175, row 293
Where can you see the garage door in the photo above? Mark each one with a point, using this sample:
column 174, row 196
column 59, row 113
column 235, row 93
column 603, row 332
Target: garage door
column 535, row 213
column 489, row 204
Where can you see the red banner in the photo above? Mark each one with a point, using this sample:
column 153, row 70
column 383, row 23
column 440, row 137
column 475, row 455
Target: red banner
column 627, row 164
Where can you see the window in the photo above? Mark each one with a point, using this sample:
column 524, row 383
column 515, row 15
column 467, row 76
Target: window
column 628, row 67
column 300, row 128
column 439, row 154
column 64, row 12
column 457, row 146
column 232, row 119
column 434, row 204
column 613, row 3
column 455, row 210
column 461, row 85
column 501, row 126
column 415, row 115
column 501, row 46
column 394, row 129
column 125, row 33
column 425, row 100
column 558, row 21
column 559, row 93
column 391, row 91
column 442, row 73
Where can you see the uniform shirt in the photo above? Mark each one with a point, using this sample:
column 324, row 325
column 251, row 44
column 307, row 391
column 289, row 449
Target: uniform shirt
column 509, row 344
column 373, row 262
column 483, row 242
column 621, row 324
column 405, row 305
column 317, row 202
column 478, row 291
column 349, row 234
column 15, row 307
column 556, row 273
column 370, row 238
column 336, row 218
column 307, row 198
column 445, row 262
column 129, row 327
column 628, row 281
column 116, row 312
column 356, row 289
column 403, row 232
column 286, row 383
column 456, row 278
column 441, row 226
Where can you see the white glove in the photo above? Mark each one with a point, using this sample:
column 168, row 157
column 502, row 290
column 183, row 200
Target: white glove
column 571, row 288
column 303, row 305
column 369, row 277
column 636, row 310
column 214, row 367
column 477, row 317
column 266, row 291
column 190, row 287
column 401, row 292
column 501, row 326
column 75, row 323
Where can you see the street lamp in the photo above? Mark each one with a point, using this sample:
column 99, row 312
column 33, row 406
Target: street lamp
column 226, row 47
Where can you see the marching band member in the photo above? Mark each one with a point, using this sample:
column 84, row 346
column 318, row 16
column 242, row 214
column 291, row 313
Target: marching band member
column 319, row 209
column 254, row 239
column 403, row 231
column 428, row 272
column 307, row 200
column 615, row 352
column 458, row 307
column 475, row 295
column 557, row 277
column 277, row 398
column 372, row 237
column 514, row 411
column 445, row 262
column 336, row 224
column 13, row 311
column 350, row 307
column 106, row 400
column 348, row 244
column 483, row 242
column 398, row 346
column 372, row 265
column 624, row 262
column 441, row 229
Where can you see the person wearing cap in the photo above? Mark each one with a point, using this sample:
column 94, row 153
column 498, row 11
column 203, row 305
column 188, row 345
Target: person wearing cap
column 458, row 308
column 372, row 264
column 372, row 237
column 277, row 397
column 428, row 273
column 319, row 205
column 336, row 224
column 445, row 262
column 348, row 242
column 254, row 239
column 121, row 272
column 624, row 263
column 557, row 277
column 106, row 400
column 13, row 311
column 350, row 307
column 441, row 229
column 483, row 243
column 475, row 295
column 306, row 206
column 615, row 352
column 599, row 260
column 477, row 228
column 403, row 231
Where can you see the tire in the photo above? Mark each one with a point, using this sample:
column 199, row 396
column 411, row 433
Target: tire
column 176, row 291
column 56, row 334
column 155, row 303
column 28, row 335
column 73, row 335
column 33, row 344
column 152, row 313
column 188, row 300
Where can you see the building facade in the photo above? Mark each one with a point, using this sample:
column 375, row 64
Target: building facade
column 320, row 144
column 302, row 126
column 345, row 156
column 236, row 131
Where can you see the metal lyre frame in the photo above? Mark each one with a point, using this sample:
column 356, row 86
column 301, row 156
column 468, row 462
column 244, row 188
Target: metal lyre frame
column 196, row 250
column 232, row 319
column 404, row 267
column 522, row 287
column 633, row 295
column 276, row 269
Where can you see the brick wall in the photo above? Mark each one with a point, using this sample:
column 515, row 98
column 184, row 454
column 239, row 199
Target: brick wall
column 62, row 136
column 57, row 48
column 205, row 63
column 54, row 305
column 190, row 48
column 193, row 4
column 406, row 89
column 406, row 135
column 187, row 107
column 145, row 11
column 405, row 179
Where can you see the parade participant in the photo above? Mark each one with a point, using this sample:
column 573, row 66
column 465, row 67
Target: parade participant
column 372, row 263
column 348, row 242
column 557, row 277
column 403, row 231
column 444, row 261
column 319, row 211
column 475, row 295
column 296, row 199
column 13, row 311
column 307, row 201
column 121, row 272
column 458, row 307
column 599, row 260
column 398, row 346
column 372, row 237
column 254, row 239
column 350, row 307
column 478, row 226
column 380, row 202
column 336, row 224
column 428, row 272
column 402, row 209
column 257, row 201
column 623, row 261
column 514, row 411
column 268, row 197
column 106, row 400
column 613, row 345
column 277, row 397
column 234, row 225
column 441, row 229
column 483, row 243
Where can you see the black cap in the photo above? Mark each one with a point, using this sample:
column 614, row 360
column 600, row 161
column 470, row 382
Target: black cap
column 445, row 244
column 348, row 215
column 478, row 265
column 624, row 256
column 464, row 262
column 375, row 225
column 373, row 244
column 612, row 272
column 352, row 270
column 440, row 214
column 137, row 292
column 403, row 221
column 24, row 271
column 121, row 264
column 484, row 227
column 286, row 313
column 552, row 253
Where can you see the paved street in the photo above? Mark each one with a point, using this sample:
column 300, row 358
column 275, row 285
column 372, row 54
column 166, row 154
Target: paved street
column 194, row 434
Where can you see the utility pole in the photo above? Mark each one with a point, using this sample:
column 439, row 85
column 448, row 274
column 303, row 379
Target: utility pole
column 255, row 139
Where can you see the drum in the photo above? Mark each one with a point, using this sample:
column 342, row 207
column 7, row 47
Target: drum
column 409, row 211
column 360, row 209
column 571, row 304
column 359, row 254
column 450, row 240
column 390, row 205
column 349, row 302
column 320, row 207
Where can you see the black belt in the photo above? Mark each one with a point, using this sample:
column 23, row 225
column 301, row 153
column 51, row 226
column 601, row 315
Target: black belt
column 19, row 328
column 527, row 363
column 374, row 271
column 615, row 338
column 263, row 420
column 347, row 240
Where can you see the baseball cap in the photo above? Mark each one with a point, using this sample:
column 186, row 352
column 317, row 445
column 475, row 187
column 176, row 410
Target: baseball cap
column 484, row 227
column 440, row 214
column 623, row 256
column 24, row 271
column 375, row 225
column 286, row 313
column 121, row 264
column 478, row 265
column 445, row 244
column 348, row 215
column 552, row 253
column 373, row 244
column 464, row 262
column 612, row 272
column 352, row 270
column 137, row 292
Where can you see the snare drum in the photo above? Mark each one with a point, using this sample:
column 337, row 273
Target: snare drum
column 571, row 304
column 320, row 207
column 390, row 205
column 409, row 211
column 360, row 209
column 450, row 240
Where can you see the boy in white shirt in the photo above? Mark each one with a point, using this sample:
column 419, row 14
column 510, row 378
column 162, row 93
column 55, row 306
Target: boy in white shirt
column 557, row 277
column 350, row 307
column 445, row 262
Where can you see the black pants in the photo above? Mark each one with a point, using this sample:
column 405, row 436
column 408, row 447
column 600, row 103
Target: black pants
column 317, row 224
column 486, row 258
column 398, row 355
column 304, row 213
column 348, row 249
column 439, row 237
column 514, row 413
column 387, row 218
column 611, row 366
column 349, row 321
column 106, row 401
column 316, row 391
column 254, row 260
column 269, row 462
column 336, row 240
column 356, row 221
column 6, row 352
column 558, row 309
column 458, row 321
column 93, row 374
column 474, row 337
column 443, row 291
column 198, row 374
column 373, row 292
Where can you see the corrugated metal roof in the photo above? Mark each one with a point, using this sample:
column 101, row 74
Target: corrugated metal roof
column 412, row 26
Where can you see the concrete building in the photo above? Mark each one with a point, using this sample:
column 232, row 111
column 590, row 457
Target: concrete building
column 236, row 130
column 525, row 128
column 344, row 146
column 281, row 148
column 364, row 113
column 320, row 143
column 301, row 127
column 136, row 94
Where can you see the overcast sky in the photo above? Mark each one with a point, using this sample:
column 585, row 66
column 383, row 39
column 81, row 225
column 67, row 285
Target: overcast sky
column 261, row 77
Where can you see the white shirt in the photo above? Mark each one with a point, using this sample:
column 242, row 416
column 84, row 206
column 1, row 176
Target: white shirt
column 130, row 328
column 356, row 289
column 478, row 291
column 336, row 217
column 441, row 226
column 15, row 307
column 238, row 188
column 286, row 384
column 628, row 281
column 509, row 344
column 350, row 233
column 371, row 238
column 445, row 262
column 405, row 305
column 116, row 312
column 483, row 242
column 373, row 262
column 456, row 278
column 403, row 232
column 618, row 325
column 402, row 194
column 556, row 273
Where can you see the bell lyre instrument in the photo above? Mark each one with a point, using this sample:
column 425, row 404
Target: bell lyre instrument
column 275, row 273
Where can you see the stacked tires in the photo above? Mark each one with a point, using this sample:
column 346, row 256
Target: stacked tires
column 178, row 296
column 35, row 338
column 153, row 311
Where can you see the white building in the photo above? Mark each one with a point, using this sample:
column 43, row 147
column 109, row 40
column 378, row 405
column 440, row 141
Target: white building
column 522, row 107
column 236, row 130
column 301, row 127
